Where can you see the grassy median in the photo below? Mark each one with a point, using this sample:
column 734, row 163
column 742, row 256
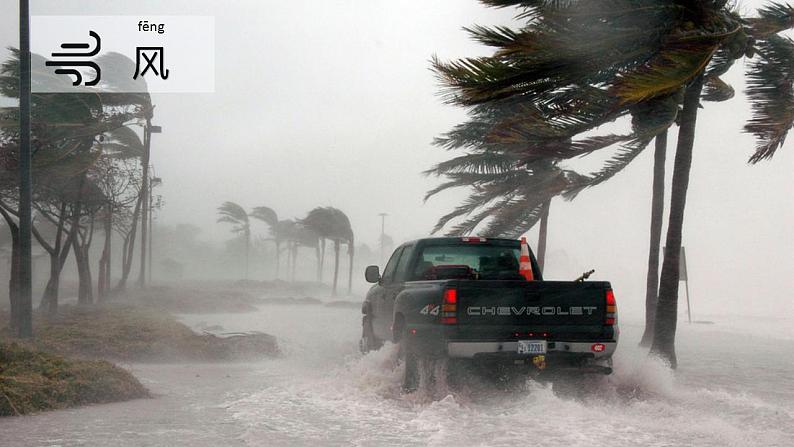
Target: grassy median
column 120, row 332
column 32, row 381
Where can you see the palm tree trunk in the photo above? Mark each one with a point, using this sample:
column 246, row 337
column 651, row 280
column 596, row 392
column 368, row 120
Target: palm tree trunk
column 351, row 248
column 289, row 259
column 322, row 259
column 294, row 260
column 667, row 304
column 336, row 265
column 657, row 215
column 543, row 234
column 319, row 264
column 278, row 257
column 247, row 250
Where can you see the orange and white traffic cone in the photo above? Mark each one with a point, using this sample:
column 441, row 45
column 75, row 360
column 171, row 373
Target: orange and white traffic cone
column 524, row 264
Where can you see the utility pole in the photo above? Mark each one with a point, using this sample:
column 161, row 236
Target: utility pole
column 382, row 233
column 25, row 297
column 151, row 226
column 153, row 183
column 148, row 130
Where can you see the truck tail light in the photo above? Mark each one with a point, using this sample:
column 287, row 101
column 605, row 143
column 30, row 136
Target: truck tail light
column 449, row 308
column 611, row 316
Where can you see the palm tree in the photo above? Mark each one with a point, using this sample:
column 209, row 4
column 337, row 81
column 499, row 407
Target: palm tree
column 582, row 64
column 283, row 233
column 331, row 223
column 234, row 214
column 513, row 196
column 269, row 217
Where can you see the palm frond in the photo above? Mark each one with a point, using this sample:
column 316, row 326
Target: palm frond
column 666, row 72
column 123, row 142
column 772, row 19
column 266, row 215
column 649, row 119
column 516, row 218
column 770, row 90
column 469, row 225
column 233, row 213
column 716, row 90
column 487, row 162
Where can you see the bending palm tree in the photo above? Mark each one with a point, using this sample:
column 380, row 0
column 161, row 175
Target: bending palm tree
column 234, row 214
column 582, row 64
column 269, row 217
column 331, row 223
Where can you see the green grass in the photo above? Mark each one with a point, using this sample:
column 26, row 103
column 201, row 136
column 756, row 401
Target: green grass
column 32, row 381
column 134, row 334
column 66, row 363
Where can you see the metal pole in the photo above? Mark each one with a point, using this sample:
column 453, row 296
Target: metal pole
column 25, row 298
column 147, row 137
column 151, row 225
column 382, row 233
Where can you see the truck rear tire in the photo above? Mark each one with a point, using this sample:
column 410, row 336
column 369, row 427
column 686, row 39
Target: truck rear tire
column 369, row 342
column 411, row 363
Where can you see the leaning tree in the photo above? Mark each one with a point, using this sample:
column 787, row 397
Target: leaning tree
column 66, row 131
column 333, row 224
column 234, row 214
column 583, row 64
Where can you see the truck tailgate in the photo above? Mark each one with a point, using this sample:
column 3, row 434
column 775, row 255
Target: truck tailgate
column 488, row 309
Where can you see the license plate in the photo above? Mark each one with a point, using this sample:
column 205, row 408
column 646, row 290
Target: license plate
column 531, row 346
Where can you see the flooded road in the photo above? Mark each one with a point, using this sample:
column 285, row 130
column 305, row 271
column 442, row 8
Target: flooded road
column 730, row 390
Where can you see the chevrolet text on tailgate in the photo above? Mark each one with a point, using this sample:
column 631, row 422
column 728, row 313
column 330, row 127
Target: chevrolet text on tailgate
column 484, row 302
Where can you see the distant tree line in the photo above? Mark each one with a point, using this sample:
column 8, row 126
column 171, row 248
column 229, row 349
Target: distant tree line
column 320, row 225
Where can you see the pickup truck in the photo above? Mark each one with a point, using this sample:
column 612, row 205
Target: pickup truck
column 464, row 299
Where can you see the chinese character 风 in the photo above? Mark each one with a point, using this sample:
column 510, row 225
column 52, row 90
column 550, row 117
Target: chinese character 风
column 149, row 55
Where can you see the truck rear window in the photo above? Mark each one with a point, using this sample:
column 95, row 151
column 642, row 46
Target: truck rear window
column 467, row 262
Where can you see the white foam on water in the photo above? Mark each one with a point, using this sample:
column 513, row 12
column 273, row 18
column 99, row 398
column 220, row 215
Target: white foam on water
column 358, row 401
column 729, row 390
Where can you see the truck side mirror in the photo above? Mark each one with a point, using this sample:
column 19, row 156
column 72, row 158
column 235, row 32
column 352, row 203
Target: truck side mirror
column 372, row 274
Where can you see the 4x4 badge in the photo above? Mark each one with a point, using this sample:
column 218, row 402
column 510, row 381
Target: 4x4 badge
column 430, row 309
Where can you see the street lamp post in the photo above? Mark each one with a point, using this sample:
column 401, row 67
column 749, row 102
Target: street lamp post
column 154, row 182
column 24, row 293
column 382, row 233
column 148, row 130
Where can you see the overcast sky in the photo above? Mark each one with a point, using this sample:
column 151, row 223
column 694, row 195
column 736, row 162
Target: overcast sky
column 332, row 103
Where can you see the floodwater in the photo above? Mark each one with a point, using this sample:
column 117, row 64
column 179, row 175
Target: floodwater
column 732, row 388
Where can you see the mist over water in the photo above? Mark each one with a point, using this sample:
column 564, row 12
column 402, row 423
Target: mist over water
column 730, row 389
